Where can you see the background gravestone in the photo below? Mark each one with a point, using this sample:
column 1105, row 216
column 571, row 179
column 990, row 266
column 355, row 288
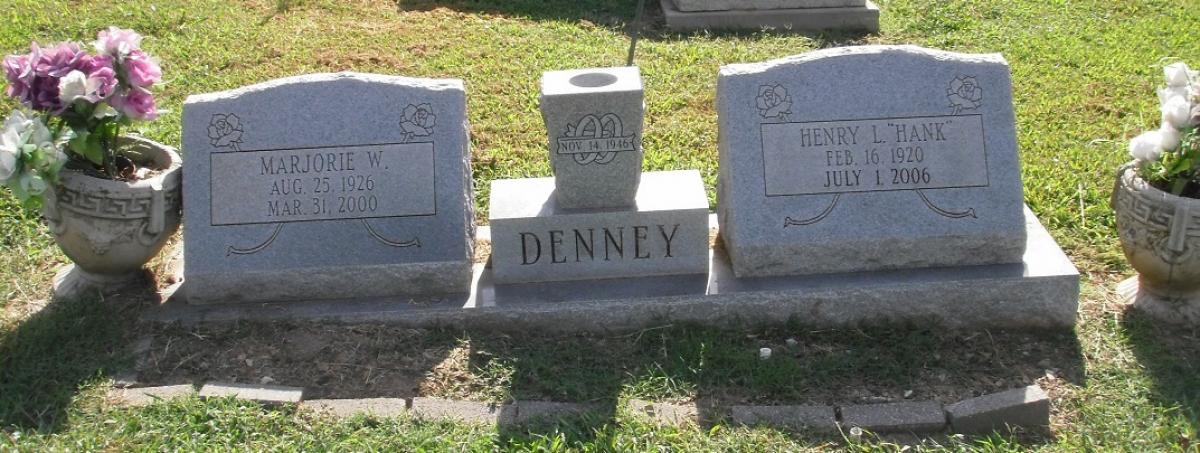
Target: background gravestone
column 786, row 15
column 327, row 186
column 726, row 5
column 867, row 158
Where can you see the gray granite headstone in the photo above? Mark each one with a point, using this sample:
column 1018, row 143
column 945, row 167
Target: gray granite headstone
column 327, row 186
column 594, row 121
column 867, row 158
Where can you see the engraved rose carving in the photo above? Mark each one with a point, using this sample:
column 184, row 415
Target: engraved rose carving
column 225, row 131
column 964, row 94
column 773, row 102
column 418, row 121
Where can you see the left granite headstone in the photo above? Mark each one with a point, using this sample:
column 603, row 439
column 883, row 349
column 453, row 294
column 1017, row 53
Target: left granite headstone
column 327, row 186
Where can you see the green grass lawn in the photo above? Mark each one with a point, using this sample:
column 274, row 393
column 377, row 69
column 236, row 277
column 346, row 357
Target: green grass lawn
column 1084, row 73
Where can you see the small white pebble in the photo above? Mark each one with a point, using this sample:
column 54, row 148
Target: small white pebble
column 908, row 393
column 266, row 380
column 791, row 342
column 764, row 353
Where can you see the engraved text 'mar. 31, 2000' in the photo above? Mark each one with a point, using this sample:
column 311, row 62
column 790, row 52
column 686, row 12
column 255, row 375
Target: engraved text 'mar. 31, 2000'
column 352, row 182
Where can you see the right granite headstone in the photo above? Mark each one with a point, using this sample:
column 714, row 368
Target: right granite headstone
column 869, row 158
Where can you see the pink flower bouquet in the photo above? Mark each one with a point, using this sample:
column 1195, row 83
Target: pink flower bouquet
column 83, row 99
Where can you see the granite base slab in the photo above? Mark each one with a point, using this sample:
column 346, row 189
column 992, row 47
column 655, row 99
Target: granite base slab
column 863, row 18
column 1040, row 292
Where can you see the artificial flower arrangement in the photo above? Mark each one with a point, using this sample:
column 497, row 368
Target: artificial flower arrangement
column 74, row 105
column 1156, row 200
column 1169, row 158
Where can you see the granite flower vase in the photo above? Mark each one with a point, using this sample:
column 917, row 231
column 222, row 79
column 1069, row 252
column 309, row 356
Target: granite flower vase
column 1160, row 235
column 594, row 118
column 109, row 228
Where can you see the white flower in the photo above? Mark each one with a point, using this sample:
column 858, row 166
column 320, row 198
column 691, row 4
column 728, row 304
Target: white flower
column 1177, row 74
column 1169, row 137
column 24, row 142
column 10, row 151
column 75, row 86
column 17, row 120
column 38, row 134
column 103, row 110
column 1177, row 111
column 1146, row 147
column 1166, row 93
column 32, row 183
column 117, row 41
column 72, row 86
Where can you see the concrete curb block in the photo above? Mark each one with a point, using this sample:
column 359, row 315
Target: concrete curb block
column 548, row 411
column 1026, row 406
column 909, row 417
column 464, row 411
column 795, row 418
column 264, row 394
column 346, row 408
column 145, row 396
column 666, row 414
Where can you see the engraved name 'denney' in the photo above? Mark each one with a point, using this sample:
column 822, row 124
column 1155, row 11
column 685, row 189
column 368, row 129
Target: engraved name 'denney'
column 634, row 242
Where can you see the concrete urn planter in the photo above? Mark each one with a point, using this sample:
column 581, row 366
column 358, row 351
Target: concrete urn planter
column 1160, row 235
column 110, row 229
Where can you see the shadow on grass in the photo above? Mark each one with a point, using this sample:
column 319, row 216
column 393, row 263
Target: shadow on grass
column 721, row 368
column 681, row 363
column 616, row 15
column 1171, row 357
column 71, row 344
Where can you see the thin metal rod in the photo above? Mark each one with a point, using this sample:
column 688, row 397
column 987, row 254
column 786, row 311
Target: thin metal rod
column 635, row 30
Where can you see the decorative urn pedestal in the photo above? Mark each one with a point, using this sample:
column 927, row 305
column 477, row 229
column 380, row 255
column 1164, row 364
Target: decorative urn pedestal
column 1160, row 235
column 110, row 229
